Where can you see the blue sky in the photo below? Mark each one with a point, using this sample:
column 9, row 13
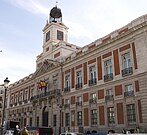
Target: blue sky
column 22, row 21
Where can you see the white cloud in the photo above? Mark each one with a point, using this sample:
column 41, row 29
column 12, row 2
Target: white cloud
column 32, row 6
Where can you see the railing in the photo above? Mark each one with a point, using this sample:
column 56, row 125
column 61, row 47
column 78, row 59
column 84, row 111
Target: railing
column 109, row 97
column 25, row 101
column 79, row 85
column 92, row 81
column 50, row 93
column 129, row 93
column 79, row 103
column 92, row 101
column 127, row 71
column 108, row 77
column 67, row 89
column 66, row 105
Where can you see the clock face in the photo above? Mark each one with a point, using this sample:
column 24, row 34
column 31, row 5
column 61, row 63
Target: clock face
column 59, row 35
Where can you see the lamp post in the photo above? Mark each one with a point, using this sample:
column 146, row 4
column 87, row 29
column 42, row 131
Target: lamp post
column 60, row 128
column 6, row 81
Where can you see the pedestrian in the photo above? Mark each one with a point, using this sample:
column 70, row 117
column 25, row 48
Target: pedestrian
column 124, row 131
column 24, row 131
column 17, row 130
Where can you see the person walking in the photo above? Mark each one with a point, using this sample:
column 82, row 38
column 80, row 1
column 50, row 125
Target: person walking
column 17, row 130
column 24, row 131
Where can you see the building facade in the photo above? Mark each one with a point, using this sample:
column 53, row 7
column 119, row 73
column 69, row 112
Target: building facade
column 100, row 86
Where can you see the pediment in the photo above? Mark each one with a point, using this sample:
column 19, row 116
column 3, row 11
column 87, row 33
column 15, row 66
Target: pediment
column 47, row 66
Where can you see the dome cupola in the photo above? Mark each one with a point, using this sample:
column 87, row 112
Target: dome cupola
column 55, row 15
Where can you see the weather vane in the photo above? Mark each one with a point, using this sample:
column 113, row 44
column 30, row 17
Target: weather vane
column 56, row 3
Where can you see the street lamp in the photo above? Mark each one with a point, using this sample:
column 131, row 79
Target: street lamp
column 6, row 81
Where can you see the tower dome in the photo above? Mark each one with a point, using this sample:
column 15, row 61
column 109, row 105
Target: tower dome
column 55, row 15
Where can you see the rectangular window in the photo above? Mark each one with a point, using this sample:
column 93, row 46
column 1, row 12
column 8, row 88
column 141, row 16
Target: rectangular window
column 108, row 67
column 79, row 101
column 47, row 36
column 30, row 121
column 79, row 79
column 67, row 119
column 59, row 35
column 128, row 90
column 92, row 72
column 38, row 121
column 93, row 117
column 128, row 87
column 54, row 120
column 131, row 116
column 67, row 81
column 109, row 92
column 79, row 118
column 110, row 115
column 126, row 59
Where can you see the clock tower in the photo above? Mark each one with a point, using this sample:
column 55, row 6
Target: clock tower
column 55, row 39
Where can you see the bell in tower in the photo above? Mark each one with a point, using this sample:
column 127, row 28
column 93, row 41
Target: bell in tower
column 55, row 15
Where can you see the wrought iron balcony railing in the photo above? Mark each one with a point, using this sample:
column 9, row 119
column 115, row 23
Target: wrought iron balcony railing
column 79, row 85
column 66, row 105
column 79, row 103
column 129, row 93
column 127, row 71
column 67, row 89
column 108, row 77
column 50, row 93
column 109, row 97
column 92, row 81
column 93, row 101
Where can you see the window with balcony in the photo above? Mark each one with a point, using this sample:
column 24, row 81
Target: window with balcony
column 79, row 80
column 67, row 83
column 67, row 103
column 79, row 101
column 26, row 96
column 79, row 118
column 126, row 64
column 110, row 115
column 131, row 116
column 128, row 90
column 109, row 95
column 92, row 75
column 67, row 119
column 108, row 70
column 93, row 117
column 93, row 98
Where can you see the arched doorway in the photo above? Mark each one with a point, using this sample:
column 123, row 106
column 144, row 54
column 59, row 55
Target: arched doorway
column 45, row 117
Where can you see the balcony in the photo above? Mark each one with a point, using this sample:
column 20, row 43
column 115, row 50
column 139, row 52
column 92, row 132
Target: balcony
column 79, row 85
column 93, row 101
column 92, row 81
column 129, row 93
column 25, row 101
column 66, row 105
column 51, row 93
column 15, row 104
column 127, row 71
column 20, row 102
column 109, row 98
column 67, row 89
column 108, row 77
column 11, row 104
column 79, row 103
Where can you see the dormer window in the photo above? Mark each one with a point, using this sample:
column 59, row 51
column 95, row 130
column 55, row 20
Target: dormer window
column 59, row 35
column 47, row 36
